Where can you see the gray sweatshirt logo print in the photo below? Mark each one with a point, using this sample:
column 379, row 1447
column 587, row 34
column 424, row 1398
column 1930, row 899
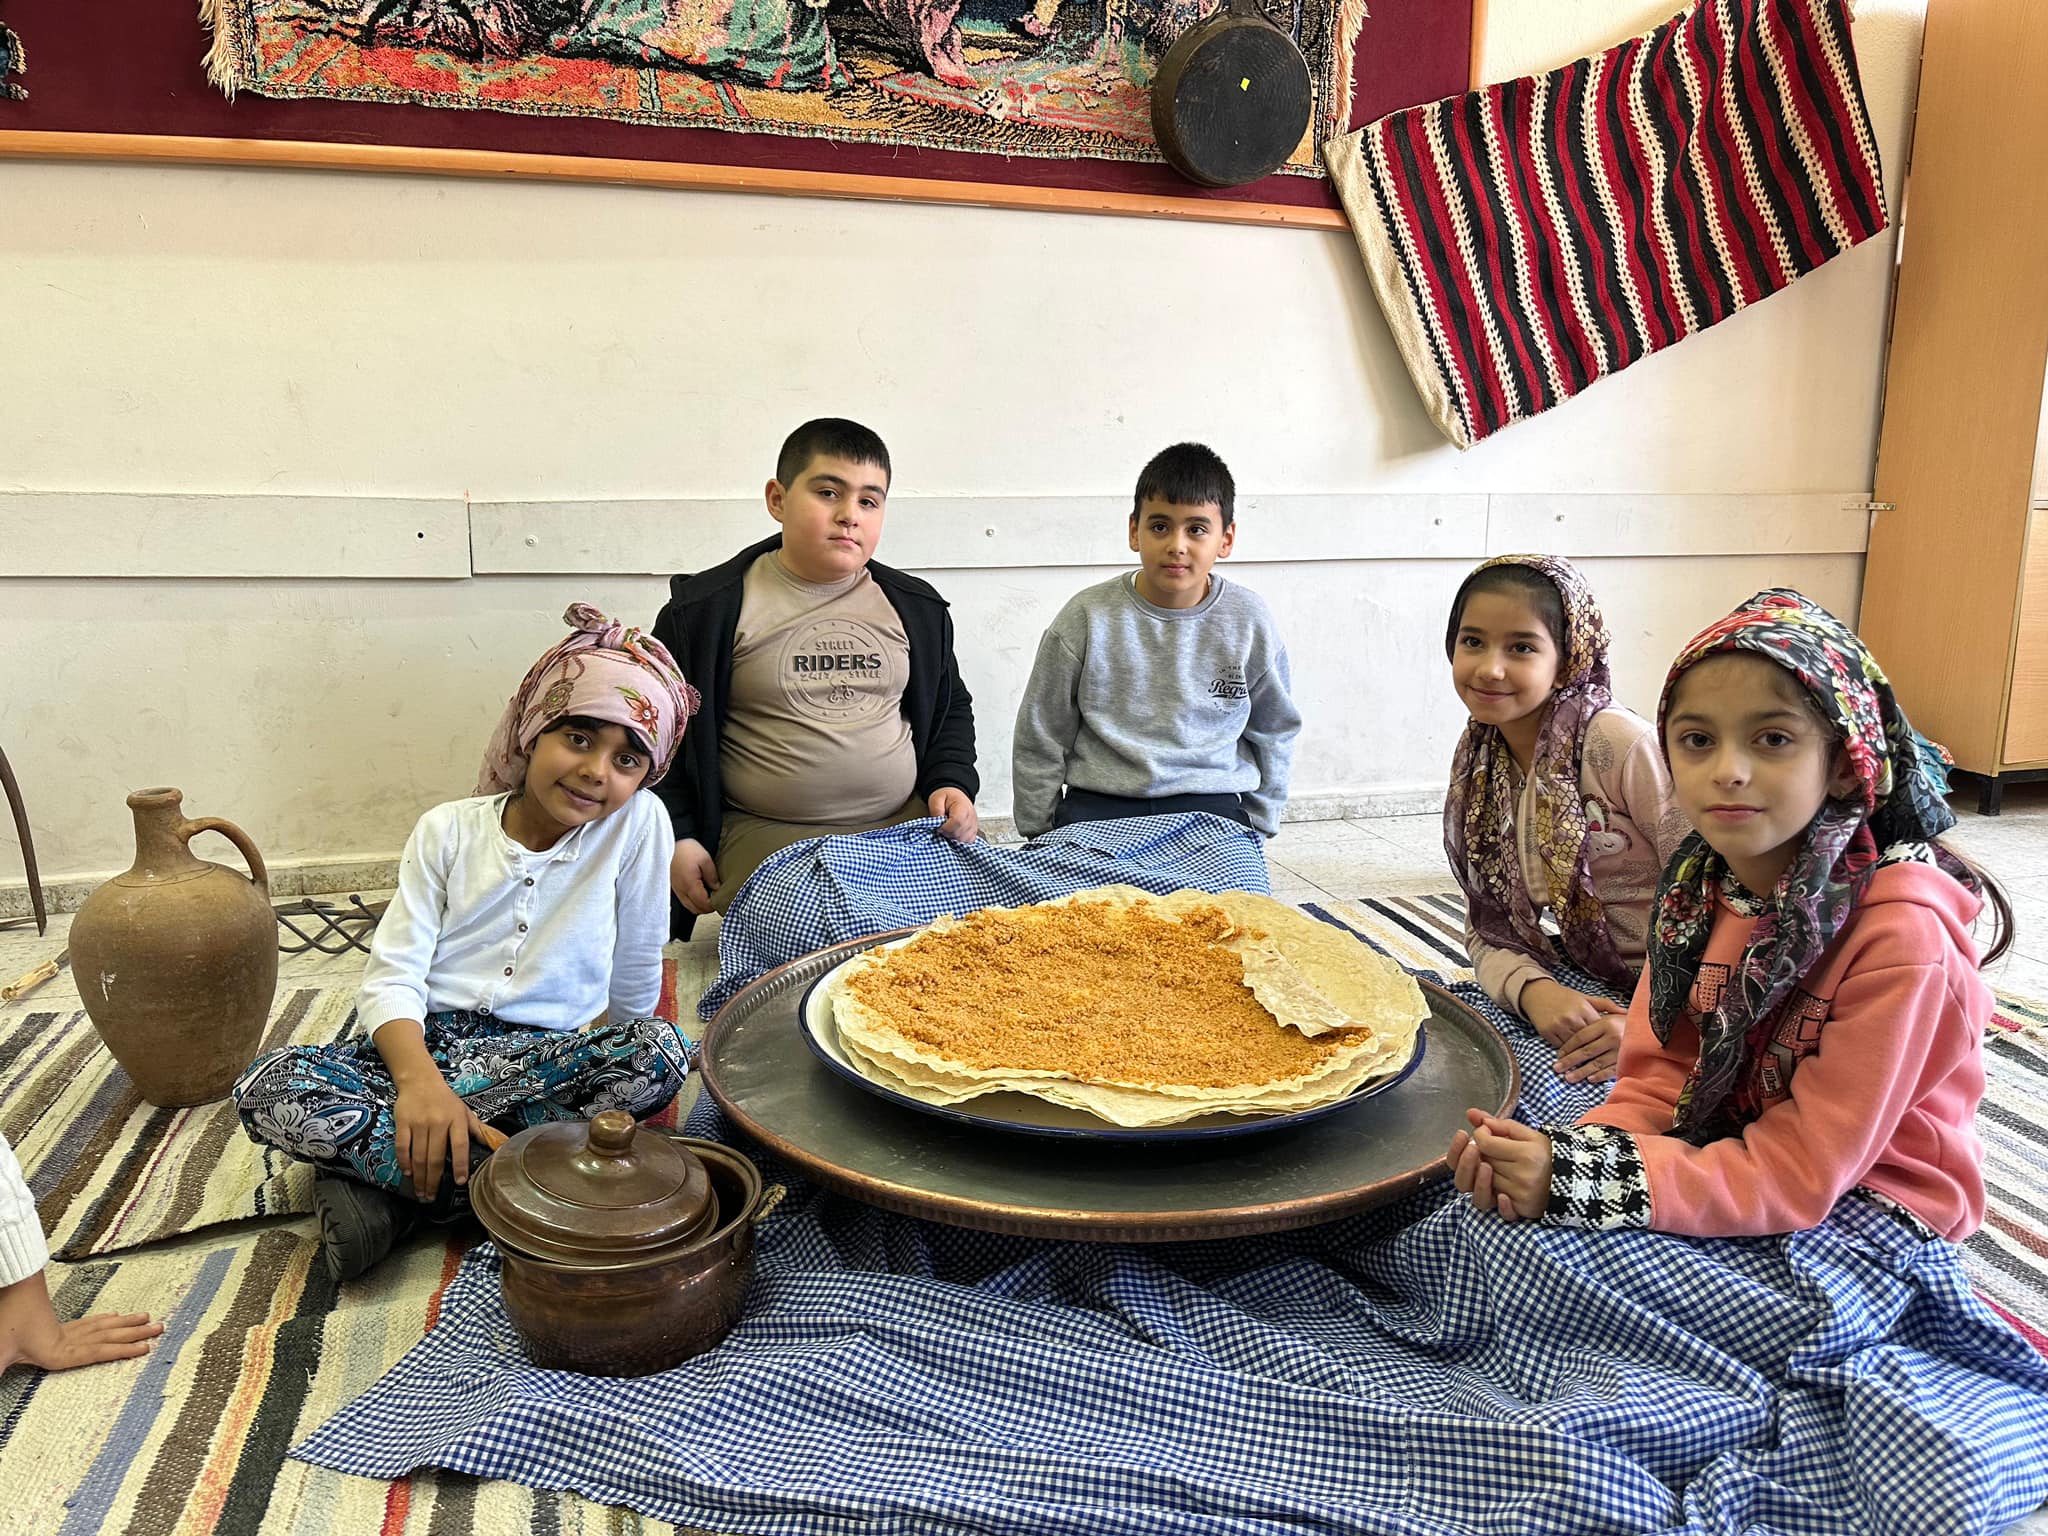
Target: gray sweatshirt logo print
column 1229, row 684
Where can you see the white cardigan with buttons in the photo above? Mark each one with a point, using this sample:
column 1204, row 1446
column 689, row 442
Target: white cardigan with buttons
column 22, row 1250
column 547, row 940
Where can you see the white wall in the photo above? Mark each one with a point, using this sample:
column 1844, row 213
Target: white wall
column 248, row 333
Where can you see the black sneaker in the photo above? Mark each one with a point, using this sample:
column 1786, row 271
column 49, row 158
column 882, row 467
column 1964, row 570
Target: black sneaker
column 358, row 1224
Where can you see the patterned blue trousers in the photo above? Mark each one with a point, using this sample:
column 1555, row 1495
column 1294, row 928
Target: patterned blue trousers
column 330, row 1105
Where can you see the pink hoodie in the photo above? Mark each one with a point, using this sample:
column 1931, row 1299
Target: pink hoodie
column 1872, row 1076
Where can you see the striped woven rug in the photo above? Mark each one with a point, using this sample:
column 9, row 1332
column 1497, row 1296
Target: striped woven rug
column 2008, row 1257
column 111, row 1172
column 259, row 1348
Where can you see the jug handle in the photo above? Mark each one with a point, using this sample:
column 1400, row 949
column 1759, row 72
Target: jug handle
column 258, row 875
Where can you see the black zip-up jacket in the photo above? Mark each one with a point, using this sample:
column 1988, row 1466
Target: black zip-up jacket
column 697, row 624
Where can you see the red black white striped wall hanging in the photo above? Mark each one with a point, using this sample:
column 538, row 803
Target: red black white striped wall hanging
column 1531, row 237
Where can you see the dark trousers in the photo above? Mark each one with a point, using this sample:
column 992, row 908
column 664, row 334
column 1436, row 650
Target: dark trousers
column 1087, row 805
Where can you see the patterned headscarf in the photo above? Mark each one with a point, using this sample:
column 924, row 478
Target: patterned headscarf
column 1479, row 811
column 1893, row 814
column 604, row 670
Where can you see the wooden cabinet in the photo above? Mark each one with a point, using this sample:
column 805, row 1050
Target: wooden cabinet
column 1955, row 591
column 2026, row 716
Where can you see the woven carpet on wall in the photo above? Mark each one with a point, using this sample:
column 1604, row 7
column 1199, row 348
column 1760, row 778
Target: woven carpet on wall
column 1528, row 239
column 1074, row 84
column 13, row 62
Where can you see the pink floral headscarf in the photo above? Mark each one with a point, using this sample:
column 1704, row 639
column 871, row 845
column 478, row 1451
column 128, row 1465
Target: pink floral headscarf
column 605, row 670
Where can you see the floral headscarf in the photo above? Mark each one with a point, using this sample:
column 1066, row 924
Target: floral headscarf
column 1893, row 814
column 604, row 670
column 1479, row 811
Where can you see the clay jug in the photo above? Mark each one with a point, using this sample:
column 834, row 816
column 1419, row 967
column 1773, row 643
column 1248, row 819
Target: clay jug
column 177, row 959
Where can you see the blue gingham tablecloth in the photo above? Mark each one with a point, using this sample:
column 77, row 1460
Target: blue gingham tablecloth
column 1426, row 1369
column 831, row 889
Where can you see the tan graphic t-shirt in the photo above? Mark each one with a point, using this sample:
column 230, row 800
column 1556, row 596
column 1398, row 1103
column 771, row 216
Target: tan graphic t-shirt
column 816, row 731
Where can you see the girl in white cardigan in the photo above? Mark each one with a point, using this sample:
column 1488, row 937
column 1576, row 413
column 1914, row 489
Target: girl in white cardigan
column 515, row 976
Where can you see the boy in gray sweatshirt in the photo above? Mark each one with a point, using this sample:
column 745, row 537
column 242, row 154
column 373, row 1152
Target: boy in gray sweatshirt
column 1164, row 690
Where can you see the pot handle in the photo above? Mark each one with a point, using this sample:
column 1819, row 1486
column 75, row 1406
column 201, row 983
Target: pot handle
column 771, row 1197
column 258, row 875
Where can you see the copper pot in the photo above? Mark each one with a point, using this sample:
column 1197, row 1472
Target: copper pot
column 625, row 1250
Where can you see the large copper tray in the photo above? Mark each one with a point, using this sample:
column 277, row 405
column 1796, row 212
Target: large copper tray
column 757, row 1067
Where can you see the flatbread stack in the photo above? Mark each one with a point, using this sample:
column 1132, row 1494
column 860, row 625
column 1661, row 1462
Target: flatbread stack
column 1143, row 1010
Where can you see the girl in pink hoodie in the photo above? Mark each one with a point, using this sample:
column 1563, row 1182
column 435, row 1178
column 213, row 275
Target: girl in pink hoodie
column 1809, row 1023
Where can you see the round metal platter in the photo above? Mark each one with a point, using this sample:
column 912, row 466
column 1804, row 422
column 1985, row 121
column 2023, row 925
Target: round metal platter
column 1025, row 1114
column 759, row 1067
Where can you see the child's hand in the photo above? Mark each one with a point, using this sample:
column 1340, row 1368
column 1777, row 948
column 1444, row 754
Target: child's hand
column 431, row 1126
column 31, row 1334
column 958, row 809
column 1503, row 1165
column 1590, row 1056
column 693, row 875
column 1558, row 1013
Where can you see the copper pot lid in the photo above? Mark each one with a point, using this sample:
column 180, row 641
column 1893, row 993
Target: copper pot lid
column 593, row 1194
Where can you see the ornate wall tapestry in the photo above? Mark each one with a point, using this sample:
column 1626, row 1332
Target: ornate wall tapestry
column 1053, row 79
column 994, row 94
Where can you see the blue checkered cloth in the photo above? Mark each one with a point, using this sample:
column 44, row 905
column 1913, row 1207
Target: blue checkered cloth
column 831, row 889
column 1457, row 1374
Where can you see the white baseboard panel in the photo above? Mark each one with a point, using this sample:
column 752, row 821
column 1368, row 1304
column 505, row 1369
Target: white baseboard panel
column 288, row 878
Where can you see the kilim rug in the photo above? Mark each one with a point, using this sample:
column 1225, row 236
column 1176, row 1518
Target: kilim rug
column 2008, row 1257
column 1537, row 235
column 110, row 1171
column 259, row 1348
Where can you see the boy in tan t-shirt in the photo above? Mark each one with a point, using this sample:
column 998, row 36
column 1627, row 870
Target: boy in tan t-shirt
column 829, row 681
